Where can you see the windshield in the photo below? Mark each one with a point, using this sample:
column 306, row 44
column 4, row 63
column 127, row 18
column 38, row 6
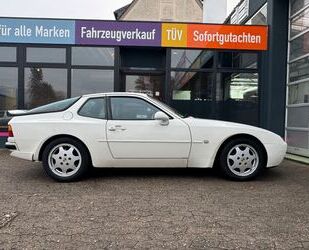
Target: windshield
column 169, row 108
column 54, row 106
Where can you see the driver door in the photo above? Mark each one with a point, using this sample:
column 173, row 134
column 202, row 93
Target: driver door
column 133, row 133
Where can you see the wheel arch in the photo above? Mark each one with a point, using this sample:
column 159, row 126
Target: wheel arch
column 236, row 136
column 49, row 140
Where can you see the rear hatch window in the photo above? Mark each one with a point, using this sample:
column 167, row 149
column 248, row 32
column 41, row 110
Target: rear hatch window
column 54, row 106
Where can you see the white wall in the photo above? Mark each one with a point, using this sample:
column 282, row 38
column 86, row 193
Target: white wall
column 216, row 11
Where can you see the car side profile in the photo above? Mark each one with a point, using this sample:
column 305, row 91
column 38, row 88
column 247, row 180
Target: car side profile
column 135, row 130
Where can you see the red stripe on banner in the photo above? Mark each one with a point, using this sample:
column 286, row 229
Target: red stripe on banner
column 4, row 134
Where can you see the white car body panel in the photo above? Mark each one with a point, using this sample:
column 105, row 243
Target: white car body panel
column 185, row 142
column 208, row 136
column 149, row 139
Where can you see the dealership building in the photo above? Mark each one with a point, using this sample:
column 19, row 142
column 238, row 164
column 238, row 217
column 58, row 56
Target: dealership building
column 253, row 69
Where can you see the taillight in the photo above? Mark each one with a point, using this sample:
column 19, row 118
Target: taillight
column 10, row 131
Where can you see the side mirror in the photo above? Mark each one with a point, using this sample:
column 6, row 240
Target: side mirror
column 162, row 117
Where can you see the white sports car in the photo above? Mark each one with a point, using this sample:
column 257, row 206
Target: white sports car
column 135, row 130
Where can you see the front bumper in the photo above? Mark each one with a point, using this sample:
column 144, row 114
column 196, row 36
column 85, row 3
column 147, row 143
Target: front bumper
column 276, row 153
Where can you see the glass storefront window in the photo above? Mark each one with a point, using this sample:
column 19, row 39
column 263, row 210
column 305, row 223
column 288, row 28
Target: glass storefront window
column 195, row 86
column 147, row 84
column 297, row 5
column 299, row 93
column 260, row 18
column 90, row 81
column 241, row 87
column 8, row 88
column 7, row 54
column 93, row 56
column 46, row 55
column 298, row 117
column 298, row 139
column 191, row 59
column 240, row 100
column 299, row 46
column 238, row 60
column 299, row 70
column 299, row 23
column 44, row 85
column 297, row 134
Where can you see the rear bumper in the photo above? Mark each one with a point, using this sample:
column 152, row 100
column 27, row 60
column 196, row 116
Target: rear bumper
column 10, row 145
column 22, row 155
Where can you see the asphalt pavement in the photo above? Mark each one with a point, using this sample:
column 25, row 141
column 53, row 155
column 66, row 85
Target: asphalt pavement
column 153, row 209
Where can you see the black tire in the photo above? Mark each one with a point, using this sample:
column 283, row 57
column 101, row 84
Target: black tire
column 229, row 167
column 68, row 175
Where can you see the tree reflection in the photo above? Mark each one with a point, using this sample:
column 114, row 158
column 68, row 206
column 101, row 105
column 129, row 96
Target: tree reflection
column 149, row 85
column 41, row 92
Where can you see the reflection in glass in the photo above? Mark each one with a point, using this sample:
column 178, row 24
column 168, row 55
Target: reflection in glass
column 298, row 139
column 46, row 55
column 93, row 56
column 44, row 85
column 299, row 93
column 124, row 108
column 8, row 88
column 241, row 87
column 299, row 70
column 186, row 59
column 7, row 54
column 299, row 23
column 196, row 86
column 260, row 18
column 299, row 46
column 238, row 60
column 297, row 5
column 147, row 84
column 298, row 117
column 90, row 81
column 240, row 97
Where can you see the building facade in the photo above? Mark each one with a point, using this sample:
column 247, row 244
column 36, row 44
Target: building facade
column 286, row 62
column 297, row 123
column 162, row 10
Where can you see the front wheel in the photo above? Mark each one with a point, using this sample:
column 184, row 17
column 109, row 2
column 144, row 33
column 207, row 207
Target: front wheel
column 242, row 159
column 65, row 159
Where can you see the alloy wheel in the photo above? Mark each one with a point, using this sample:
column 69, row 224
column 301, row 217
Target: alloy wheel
column 64, row 160
column 242, row 160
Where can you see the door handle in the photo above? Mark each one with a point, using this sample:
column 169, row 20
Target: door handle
column 117, row 127
column 112, row 129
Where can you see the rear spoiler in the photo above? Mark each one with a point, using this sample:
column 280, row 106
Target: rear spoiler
column 16, row 112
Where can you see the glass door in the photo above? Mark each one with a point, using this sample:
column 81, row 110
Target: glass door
column 147, row 83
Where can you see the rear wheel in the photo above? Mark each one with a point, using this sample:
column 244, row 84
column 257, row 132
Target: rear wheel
column 65, row 159
column 242, row 159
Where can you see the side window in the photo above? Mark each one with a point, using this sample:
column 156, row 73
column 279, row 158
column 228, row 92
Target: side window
column 126, row 108
column 94, row 108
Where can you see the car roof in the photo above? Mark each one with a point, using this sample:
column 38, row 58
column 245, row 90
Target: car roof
column 116, row 94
